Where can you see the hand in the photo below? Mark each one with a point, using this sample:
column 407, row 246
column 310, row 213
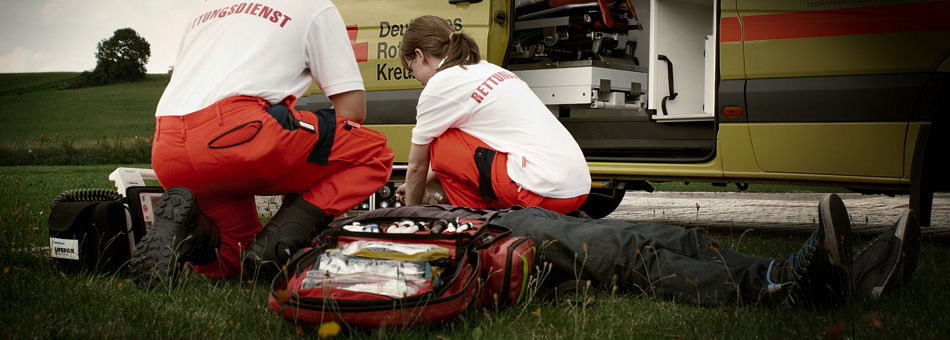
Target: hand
column 401, row 193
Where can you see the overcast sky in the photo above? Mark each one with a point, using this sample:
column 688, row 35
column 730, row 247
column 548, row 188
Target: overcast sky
column 61, row 35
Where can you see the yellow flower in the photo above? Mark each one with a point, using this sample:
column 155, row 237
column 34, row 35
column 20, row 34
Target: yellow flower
column 250, row 282
column 537, row 312
column 120, row 284
column 6, row 270
column 638, row 251
column 712, row 247
column 328, row 329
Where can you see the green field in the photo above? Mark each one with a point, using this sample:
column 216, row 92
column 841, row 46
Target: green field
column 42, row 303
column 33, row 109
column 39, row 302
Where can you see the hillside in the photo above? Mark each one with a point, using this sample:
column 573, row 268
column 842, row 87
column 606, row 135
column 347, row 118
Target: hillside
column 42, row 124
column 34, row 110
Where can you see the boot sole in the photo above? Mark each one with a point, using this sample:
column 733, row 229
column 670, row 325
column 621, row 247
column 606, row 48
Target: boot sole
column 157, row 255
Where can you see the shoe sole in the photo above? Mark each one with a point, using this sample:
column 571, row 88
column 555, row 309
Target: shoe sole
column 907, row 233
column 155, row 258
column 833, row 216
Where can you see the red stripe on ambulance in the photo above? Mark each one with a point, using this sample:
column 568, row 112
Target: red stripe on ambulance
column 847, row 21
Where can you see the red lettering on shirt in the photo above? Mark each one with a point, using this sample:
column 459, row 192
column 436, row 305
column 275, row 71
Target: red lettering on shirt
column 259, row 10
column 496, row 78
column 477, row 97
column 265, row 12
column 286, row 19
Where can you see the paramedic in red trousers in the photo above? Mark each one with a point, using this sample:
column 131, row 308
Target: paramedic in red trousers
column 482, row 131
column 227, row 130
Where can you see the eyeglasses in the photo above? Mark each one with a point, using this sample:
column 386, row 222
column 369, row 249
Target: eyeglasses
column 410, row 63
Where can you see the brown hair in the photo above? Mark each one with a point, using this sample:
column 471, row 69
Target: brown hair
column 434, row 36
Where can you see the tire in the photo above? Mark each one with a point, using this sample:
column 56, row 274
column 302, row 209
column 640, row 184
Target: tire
column 602, row 202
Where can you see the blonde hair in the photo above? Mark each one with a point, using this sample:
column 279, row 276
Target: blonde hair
column 434, row 36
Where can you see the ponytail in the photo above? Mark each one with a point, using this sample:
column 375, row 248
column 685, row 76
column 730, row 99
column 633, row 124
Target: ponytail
column 434, row 36
column 462, row 50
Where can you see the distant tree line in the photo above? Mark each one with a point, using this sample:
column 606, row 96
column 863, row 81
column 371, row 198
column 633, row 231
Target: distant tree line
column 120, row 58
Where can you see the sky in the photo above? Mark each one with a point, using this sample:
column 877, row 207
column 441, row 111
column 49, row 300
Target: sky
column 61, row 35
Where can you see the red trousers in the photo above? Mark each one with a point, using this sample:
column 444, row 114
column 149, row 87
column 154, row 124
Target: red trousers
column 234, row 149
column 452, row 158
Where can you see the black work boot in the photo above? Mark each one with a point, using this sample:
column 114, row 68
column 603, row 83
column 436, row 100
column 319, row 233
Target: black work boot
column 180, row 234
column 292, row 228
column 820, row 272
column 888, row 261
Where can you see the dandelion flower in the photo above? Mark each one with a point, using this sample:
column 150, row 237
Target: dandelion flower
column 6, row 270
column 119, row 284
column 328, row 329
column 712, row 247
column 537, row 312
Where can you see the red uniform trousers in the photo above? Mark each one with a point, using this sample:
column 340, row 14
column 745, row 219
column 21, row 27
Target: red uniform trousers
column 452, row 158
column 233, row 150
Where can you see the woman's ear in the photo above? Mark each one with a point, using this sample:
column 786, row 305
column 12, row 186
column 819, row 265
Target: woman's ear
column 420, row 56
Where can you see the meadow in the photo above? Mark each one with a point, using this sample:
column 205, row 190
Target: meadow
column 42, row 302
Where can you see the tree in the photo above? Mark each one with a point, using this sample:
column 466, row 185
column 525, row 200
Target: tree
column 119, row 58
column 123, row 57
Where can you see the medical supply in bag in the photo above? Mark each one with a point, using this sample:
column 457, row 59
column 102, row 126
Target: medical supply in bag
column 367, row 279
column 392, row 278
column 396, row 251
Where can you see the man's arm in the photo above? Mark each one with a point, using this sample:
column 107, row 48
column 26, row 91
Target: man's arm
column 351, row 105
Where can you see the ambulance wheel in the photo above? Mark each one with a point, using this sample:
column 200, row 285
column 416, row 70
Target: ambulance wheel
column 602, row 202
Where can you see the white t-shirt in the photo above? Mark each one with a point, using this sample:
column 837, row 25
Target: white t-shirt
column 495, row 106
column 266, row 48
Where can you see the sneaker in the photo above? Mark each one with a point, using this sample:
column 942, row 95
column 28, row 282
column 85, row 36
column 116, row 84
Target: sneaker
column 887, row 262
column 173, row 239
column 820, row 272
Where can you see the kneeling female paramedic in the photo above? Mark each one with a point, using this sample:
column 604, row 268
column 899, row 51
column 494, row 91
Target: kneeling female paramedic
column 483, row 132
column 227, row 130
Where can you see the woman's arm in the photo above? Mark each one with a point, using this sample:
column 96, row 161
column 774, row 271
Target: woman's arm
column 416, row 174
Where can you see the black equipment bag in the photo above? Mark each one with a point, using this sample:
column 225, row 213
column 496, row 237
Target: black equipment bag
column 91, row 230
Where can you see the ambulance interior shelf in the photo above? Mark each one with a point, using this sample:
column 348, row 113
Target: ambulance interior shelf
column 604, row 37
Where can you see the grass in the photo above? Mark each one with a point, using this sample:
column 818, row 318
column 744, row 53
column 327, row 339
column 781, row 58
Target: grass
column 32, row 107
column 39, row 302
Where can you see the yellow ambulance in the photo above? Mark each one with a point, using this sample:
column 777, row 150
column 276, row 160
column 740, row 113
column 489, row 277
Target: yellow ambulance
column 849, row 93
